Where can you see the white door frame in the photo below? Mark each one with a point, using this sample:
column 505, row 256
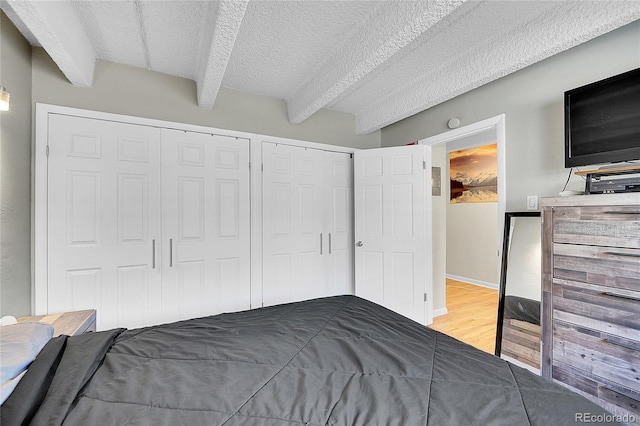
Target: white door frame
column 39, row 229
column 496, row 123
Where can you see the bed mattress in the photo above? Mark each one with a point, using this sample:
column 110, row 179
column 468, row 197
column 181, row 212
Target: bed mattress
column 332, row 361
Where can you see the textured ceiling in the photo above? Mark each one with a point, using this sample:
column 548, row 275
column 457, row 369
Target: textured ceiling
column 379, row 60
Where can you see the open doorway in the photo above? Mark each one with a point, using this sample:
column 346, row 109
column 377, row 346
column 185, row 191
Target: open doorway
column 467, row 241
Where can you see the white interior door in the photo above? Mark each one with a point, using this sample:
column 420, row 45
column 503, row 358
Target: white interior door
column 104, row 220
column 205, row 224
column 338, row 223
column 392, row 253
column 293, row 240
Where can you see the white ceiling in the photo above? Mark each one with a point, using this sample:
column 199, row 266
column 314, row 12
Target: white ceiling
column 379, row 60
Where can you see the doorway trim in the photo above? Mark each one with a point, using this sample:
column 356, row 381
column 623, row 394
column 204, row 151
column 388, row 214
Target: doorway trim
column 496, row 124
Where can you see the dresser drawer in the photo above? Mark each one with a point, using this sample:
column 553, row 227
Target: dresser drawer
column 603, row 356
column 606, row 266
column 617, row 399
column 604, row 309
column 617, row 226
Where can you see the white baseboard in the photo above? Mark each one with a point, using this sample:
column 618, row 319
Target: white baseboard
column 473, row 281
column 440, row 312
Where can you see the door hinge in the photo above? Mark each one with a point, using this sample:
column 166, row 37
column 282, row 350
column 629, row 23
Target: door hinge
column 424, row 165
column 262, row 167
column 425, row 297
column 249, row 165
column 47, row 151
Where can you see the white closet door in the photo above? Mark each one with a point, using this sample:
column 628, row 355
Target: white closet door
column 390, row 230
column 338, row 223
column 293, row 240
column 205, row 224
column 103, row 219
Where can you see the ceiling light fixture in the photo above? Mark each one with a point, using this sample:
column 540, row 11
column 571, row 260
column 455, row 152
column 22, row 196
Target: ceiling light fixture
column 4, row 99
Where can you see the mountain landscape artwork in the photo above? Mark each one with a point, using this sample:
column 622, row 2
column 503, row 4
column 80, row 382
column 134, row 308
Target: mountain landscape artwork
column 474, row 174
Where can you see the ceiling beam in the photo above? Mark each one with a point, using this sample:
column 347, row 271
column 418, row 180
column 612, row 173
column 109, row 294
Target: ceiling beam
column 554, row 31
column 56, row 27
column 387, row 30
column 216, row 49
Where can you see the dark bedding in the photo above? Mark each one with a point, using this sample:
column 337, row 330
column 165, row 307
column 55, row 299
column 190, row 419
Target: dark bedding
column 332, row 361
column 522, row 309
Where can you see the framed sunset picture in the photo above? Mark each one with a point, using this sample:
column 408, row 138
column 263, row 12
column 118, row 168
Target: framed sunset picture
column 474, row 174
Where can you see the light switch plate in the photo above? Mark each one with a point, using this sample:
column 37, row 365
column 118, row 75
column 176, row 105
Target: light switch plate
column 532, row 202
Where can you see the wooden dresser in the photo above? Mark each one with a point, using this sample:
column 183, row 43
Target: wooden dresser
column 591, row 298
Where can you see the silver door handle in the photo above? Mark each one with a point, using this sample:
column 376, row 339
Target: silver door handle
column 359, row 244
column 329, row 242
column 170, row 252
column 153, row 254
column 321, row 243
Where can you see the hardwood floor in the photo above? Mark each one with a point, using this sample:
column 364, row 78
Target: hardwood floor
column 472, row 315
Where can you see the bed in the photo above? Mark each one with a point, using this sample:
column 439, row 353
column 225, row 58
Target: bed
column 331, row 361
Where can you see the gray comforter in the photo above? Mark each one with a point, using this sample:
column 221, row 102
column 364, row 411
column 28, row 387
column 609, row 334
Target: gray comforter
column 331, row 361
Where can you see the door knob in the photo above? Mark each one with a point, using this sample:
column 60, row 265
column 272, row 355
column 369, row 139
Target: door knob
column 359, row 244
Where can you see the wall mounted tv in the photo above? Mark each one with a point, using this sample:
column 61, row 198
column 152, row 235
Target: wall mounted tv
column 602, row 121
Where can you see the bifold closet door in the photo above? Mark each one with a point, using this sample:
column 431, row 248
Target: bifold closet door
column 307, row 223
column 104, row 220
column 293, row 267
column 338, row 223
column 205, row 224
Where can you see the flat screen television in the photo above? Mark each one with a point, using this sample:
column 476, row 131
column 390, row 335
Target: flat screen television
column 602, row 121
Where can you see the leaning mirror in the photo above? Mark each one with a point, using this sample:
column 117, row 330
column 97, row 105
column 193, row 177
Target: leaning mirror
column 518, row 327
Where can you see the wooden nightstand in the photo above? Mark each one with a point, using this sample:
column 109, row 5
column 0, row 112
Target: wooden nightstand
column 69, row 323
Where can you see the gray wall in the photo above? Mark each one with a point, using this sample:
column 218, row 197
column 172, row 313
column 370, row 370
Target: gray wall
column 472, row 228
column 127, row 90
column 532, row 100
column 15, row 173
column 472, row 243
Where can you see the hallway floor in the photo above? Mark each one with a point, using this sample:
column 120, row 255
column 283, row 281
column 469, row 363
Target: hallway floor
column 472, row 315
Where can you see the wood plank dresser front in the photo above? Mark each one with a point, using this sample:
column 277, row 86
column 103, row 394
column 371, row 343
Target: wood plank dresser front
column 591, row 298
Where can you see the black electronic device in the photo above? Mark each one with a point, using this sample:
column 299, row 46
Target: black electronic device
column 615, row 184
column 602, row 121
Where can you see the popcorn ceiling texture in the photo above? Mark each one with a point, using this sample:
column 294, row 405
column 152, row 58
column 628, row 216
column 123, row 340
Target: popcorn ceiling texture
column 57, row 28
column 556, row 29
column 379, row 60
column 212, row 66
column 387, row 30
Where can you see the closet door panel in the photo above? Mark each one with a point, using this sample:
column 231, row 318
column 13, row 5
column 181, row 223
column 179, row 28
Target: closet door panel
column 338, row 223
column 205, row 224
column 103, row 216
column 292, row 223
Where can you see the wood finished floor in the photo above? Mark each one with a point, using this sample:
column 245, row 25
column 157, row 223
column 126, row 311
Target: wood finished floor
column 472, row 314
